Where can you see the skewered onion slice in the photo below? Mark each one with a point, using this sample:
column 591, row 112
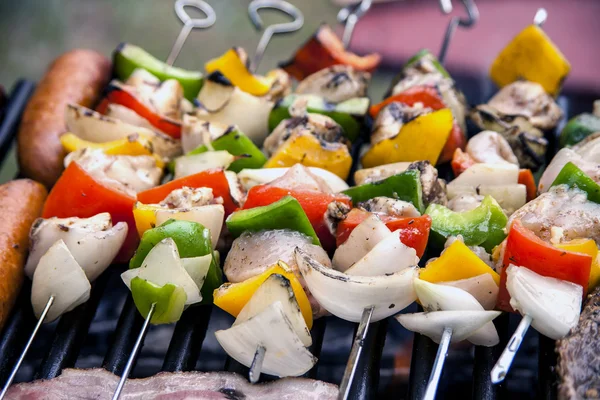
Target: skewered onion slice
column 210, row 216
column 58, row 274
column 192, row 164
column 389, row 256
column 554, row 305
column 346, row 296
column 277, row 288
column 361, row 240
column 163, row 265
column 93, row 242
column 432, row 324
column 285, row 353
column 434, row 297
column 482, row 287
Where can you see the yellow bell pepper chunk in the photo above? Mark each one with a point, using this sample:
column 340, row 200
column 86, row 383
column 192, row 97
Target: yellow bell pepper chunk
column 133, row 145
column 423, row 138
column 144, row 216
column 307, row 150
column 456, row 262
column 531, row 55
column 232, row 297
column 585, row 246
column 233, row 68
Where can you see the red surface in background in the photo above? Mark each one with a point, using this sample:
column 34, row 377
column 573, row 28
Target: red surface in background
column 399, row 29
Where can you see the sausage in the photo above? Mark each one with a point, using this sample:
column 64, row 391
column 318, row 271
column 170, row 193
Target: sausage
column 21, row 202
column 77, row 76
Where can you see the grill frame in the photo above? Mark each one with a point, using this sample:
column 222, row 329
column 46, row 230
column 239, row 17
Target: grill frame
column 190, row 332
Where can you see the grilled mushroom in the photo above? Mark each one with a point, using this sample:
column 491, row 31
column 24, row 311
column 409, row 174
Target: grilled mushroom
column 527, row 141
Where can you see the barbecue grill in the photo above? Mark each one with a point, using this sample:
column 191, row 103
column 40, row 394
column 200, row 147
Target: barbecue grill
column 102, row 331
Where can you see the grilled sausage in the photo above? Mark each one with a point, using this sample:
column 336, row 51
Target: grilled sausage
column 75, row 77
column 21, row 202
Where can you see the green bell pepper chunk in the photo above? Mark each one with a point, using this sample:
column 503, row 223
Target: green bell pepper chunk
column 425, row 53
column 403, row 186
column 169, row 299
column 237, row 144
column 578, row 128
column 128, row 58
column 347, row 114
column 574, row 177
column 483, row 226
column 192, row 240
column 286, row 213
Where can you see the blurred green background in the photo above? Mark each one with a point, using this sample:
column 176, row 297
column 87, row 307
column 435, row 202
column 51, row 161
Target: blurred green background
column 35, row 32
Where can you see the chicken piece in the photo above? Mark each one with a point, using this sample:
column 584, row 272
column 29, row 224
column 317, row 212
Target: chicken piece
column 128, row 174
column 196, row 132
column 528, row 99
column 282, row 85
column 564, row 208
column 321, row 126
column 336, row 84
column 561, row 158
column 187, row 197
column 492, row 148
column 465, row 202
column 164, row 97
column 390, row 119
column 379, row 173
column 434, row 189
column 300, row 177
column 254, row 252
column 389, row 206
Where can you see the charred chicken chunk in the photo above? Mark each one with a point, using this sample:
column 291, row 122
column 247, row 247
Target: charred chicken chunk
column 336, row 84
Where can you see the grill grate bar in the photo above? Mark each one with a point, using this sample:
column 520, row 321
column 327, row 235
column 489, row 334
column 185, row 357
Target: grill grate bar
column 70, row 334
column 547, row 378
column 129, row 325
column 366, row 378
column 16, row 332
column 17, row 101
column 485, row 359
column 186, row 343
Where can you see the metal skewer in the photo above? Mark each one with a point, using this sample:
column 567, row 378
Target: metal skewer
column 190, row 23
column 472, row 17
column 438, row 365
column 134, row 352
column 15, row 369
column 503, row 364
column 357, row 347
column 285, row 27
column 349, row 16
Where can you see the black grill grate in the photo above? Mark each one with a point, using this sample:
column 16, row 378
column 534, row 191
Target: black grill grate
column 64, row 341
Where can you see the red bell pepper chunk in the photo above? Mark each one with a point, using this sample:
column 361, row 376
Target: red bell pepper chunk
column 526, row 178
column 118, row 95
column 525, row 249
column 323, row 50
column 77, row 194
column 414, row 230
column 461, row 161
column 313, row 203
column 214, row 179
column 427, row 95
